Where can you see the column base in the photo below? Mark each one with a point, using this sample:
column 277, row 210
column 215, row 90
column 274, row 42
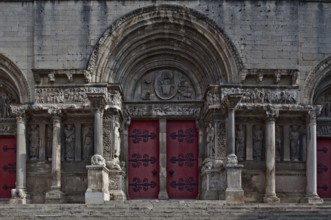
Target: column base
column 234, row 196
column 271, row 199
column 55, row 196
column 18, row 196
column 313, row 199
column 117, row 195
column 163, row 195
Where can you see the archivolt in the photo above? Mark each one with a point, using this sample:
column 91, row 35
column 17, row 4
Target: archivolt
column 14, row 80
column 164, row 37
column 318, row 80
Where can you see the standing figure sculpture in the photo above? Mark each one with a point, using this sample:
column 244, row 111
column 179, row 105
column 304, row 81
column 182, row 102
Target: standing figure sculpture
column 34, row 141
column 240, row 142
column 210, row 141
column 278, row 143
column 295, row 143
column 69, row 133
column 257, row 142
column 87, row 143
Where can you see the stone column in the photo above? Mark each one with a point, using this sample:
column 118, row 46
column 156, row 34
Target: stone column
column 234, row 192
column 163, row 160
column 55, row 195
column 19, row 195
column 98, row 102
column 270, row 157
column 311, row 167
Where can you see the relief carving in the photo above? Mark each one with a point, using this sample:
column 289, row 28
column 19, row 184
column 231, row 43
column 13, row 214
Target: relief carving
column 165, row 85
column 324, row 130
column 107, row 136
column 279, row 143
column 65, row 95
column 240, row 142
column 7, row 128
column 163, row 110
column 210, row 140
column 34, row 142
column 258, row 137
column 114, row 98
column 295, row 142
column 213, row 98
column 5, row 101
column 87, row 142
column 264, row 96
column 69, row 133
column 220, row 152
column 325, row 101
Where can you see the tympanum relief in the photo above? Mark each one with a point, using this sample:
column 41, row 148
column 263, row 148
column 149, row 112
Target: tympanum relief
column 164, row 85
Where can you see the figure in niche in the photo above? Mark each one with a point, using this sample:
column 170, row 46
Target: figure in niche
column 240, row 142
column 257, row 142
column 87, row 143
column 49, row 138
column 278, row 143
column 295, row 142
column 146, row 88
column 69, row 133
column 4, row 104
column 34, row 141
column 210, row 141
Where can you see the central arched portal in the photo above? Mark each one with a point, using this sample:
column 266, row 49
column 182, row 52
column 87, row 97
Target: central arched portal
column 165, row 59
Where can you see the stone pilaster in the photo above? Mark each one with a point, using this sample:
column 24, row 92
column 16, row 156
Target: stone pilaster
column 311, row 168
column 55, row 195
column 270, row 157
column 19, row 194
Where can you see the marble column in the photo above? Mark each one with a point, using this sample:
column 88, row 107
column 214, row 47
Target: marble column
column 19, row 195
column 311, row 168
column 98, row 134
column 270, row 158
column 55, row 195
column 234, row 192
column 98, row 102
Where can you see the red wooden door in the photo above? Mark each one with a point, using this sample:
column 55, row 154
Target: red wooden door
column 143, row 167
column 7, row 165
column 182, row 160
column 324, row 167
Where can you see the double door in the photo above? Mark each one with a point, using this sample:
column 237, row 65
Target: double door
column 180, row 167
column 7, row 165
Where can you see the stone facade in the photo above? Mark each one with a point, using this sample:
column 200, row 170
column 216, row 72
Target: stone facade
column 254, row 75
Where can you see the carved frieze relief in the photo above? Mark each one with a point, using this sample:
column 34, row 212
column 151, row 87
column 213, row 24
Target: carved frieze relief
column 164, row 85
column 7, row 128
column 140, row 110
column 59, row 95
column 264, row 95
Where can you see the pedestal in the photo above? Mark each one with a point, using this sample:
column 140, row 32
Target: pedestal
column 213, row 184
column 116, row 185
column 234, row 193
column 19, row 196
column 98, row 184
column 55, row 196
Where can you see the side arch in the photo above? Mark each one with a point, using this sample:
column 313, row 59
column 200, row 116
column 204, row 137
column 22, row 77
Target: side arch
column 164, row 36
column 13, row 79
column 318, row 81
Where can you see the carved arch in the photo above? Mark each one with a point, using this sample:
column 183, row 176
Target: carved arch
column 318, row 81
column 13, row 80
column 165, row 36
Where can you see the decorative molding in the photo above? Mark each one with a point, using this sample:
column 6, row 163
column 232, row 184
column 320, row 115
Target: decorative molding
column 166, row 109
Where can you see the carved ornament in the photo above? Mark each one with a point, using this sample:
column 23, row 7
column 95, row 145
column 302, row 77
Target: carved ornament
column 140, row 110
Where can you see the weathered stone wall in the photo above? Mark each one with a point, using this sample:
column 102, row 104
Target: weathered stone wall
column 267, row 34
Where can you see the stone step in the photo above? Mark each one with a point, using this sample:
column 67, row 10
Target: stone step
column 154, row 209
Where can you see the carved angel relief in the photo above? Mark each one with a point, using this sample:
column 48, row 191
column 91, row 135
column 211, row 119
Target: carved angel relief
column 165, row 85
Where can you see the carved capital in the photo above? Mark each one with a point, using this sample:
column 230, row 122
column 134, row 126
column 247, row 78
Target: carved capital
column 272, row 114
column 56, row 114
column 19, row 112
column 232, row 100
column 98, row 100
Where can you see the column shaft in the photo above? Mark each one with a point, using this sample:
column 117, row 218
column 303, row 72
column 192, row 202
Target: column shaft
column 56, row 154
column 98, row 135
column 270, row 158
column 20, row 154
column 231, row 132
